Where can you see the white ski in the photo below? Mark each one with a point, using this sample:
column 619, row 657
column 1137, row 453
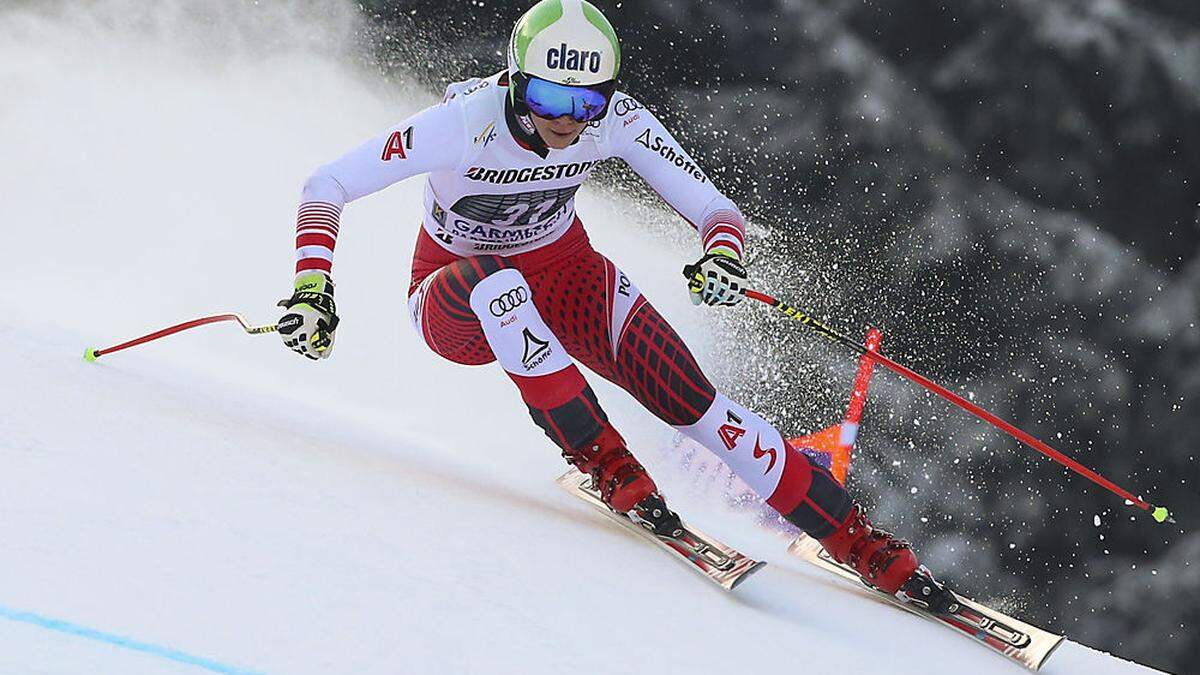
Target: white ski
column 719, row 563
column 1028, row 645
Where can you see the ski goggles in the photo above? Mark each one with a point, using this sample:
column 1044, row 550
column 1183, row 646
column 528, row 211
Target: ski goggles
column 551, row 100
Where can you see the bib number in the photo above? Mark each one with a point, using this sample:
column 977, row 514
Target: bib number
column 520, row 209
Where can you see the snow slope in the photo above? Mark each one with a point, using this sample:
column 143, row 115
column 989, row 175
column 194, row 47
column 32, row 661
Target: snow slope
column 213, row 503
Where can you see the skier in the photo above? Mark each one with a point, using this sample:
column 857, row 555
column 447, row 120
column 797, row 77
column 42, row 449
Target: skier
column 503, row 271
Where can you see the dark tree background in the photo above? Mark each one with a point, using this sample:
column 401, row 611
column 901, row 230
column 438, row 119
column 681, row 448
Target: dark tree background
column 1010, row 189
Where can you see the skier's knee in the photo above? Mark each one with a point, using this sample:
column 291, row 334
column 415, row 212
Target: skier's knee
column 465, row 279
column 519, row 337
column 470, row 272
column 497, row 289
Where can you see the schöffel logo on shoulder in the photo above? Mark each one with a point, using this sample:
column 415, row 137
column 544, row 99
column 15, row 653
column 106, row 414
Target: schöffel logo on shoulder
column 528, row 174
column 562, row 58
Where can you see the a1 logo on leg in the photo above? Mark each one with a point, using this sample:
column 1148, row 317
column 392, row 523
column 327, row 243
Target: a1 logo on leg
column 730, row 432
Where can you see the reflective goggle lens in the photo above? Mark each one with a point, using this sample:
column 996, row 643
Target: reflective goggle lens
column 551, row 100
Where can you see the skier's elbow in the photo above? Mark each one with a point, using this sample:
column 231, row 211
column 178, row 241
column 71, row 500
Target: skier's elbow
column 322, row 186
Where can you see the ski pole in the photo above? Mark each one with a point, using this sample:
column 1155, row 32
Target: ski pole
column 91, row 354
column 1160, row 513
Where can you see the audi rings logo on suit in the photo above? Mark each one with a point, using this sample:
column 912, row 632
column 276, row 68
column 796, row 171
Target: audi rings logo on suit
column 627, row 105
column 508, row 301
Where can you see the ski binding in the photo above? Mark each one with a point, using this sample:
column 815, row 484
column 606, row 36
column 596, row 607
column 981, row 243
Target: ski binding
column 1027, row 645
column 719, row 563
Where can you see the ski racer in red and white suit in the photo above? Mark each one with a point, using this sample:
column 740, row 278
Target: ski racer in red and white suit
column 503, row 271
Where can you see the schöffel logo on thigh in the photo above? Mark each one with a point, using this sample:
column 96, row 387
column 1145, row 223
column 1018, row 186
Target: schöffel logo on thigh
column 508, row 301
column 537, row 350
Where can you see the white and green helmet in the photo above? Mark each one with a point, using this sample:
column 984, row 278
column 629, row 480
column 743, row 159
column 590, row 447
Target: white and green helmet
column 566, row 42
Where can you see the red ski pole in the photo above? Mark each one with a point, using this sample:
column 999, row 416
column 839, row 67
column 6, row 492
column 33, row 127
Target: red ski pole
column 1160, row 513
column 91, row 354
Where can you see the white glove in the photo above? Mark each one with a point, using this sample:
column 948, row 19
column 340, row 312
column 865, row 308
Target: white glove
column 309, row 324
column 716, row 279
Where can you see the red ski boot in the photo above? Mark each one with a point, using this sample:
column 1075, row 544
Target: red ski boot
column 621, row 479
column 880, row 558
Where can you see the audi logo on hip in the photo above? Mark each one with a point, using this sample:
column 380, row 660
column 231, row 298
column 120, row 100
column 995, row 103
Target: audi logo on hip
column 508, row 301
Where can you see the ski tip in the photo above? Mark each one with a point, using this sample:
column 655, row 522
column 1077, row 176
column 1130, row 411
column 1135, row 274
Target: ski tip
column 1161, row 514
column 750, row 570
column 90, row 355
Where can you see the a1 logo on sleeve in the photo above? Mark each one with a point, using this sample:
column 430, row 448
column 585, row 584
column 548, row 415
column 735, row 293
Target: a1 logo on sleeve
column 397, row 144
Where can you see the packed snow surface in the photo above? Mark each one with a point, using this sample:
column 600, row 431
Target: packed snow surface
column 214, row 503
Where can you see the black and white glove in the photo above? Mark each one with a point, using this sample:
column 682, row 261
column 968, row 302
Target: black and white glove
column 716, row 279
column 309, row 324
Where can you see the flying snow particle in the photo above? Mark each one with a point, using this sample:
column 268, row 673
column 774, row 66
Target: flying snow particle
column 1096, row 520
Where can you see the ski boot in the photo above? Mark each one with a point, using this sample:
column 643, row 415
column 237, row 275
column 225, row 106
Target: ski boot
column 620, row 478
column 882, row 560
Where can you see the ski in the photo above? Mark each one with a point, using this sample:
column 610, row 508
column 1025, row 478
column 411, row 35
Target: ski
column 1027, row 645
column 719, row 563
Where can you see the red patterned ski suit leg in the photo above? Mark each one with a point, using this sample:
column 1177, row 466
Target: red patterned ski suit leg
column 603, row 322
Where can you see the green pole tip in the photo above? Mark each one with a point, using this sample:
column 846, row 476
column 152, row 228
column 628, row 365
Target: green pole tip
column 1161, row 514
column 90, row 355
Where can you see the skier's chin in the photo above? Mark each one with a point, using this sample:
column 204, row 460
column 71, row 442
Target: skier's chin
column 557, row 140
column 558, row 134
